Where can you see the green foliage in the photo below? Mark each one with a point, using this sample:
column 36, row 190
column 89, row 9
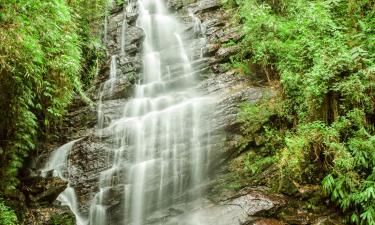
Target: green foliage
column 255, row 163
column 62, row 219
column 263, row 124
column 229, row 44
column 323, row 53
column 7, row 215
column 241, row 66
column 351, row 181
column 120, row 2
column 47, row 48
column 305, row 156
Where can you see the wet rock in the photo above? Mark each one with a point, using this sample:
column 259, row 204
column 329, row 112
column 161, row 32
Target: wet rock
column 78, row 122
column 206, row 5
column 87, row 158
column 234, row 36
column 42, row 190
column 288, row 187
column 309, row 191
column 238, row 209
column 175, row 4
column 328, row 220
column 210, row 49
column 223, row 54
column 122, row 88
column 129, row 64
column 134, row 34
column 267, row 222
column 213, row 22
column 49, row 216
column 132, row 18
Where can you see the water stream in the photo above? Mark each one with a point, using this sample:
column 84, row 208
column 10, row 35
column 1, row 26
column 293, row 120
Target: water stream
column 59, row 164
column 161, row 148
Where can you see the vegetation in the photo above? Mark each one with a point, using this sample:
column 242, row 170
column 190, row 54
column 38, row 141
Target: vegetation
column 7, row 215
column 62, row 219
column 49, row 52
column 320, row 127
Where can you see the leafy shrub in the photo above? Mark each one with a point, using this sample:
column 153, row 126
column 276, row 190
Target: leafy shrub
column 7, row 215
column 62, row 219
column 324, row 54
column 47, row 48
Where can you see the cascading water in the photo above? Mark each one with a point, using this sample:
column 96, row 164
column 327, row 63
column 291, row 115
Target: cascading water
column 58, row 163
column 162, row 139
column 161, row 143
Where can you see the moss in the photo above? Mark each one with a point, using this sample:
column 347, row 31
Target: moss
column 62, row 219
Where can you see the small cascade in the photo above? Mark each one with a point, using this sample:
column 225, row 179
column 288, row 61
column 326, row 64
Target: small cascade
column 107, row 89
column 112, row 73
column 123, row 29
column 199, row 29
column 105, row 38
column 183, row 55
column 109, row 85
column 59, row 164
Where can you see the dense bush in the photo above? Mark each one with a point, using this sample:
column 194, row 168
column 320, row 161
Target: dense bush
column 62, row 219
column 323, row 55
column 47, row 54
column 7, row 215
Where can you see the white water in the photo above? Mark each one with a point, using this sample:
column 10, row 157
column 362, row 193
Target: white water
column 123, row 29
column 162, row 140
column 59, row 164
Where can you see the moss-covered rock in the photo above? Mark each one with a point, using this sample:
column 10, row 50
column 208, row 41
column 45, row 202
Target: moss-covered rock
column 50, row 216
column 62, row 219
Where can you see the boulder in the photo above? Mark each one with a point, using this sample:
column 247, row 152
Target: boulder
column 42, row 190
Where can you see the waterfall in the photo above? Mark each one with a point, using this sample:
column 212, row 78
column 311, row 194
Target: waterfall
column 58, row 163
column 123, row 29
column 162, row 139
column 160, row 145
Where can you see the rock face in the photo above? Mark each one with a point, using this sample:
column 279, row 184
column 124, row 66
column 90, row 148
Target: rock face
column 239, row 209
column 41, row 190
column 209, row 28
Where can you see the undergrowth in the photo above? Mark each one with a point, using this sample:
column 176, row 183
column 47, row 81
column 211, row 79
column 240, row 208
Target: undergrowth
column 320, row 127
column 7, row 215
column 49, row 51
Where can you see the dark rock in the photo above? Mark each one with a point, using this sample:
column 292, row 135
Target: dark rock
column 234, row 35
column 132, row 18
column 210, row 49
column 288, row 187
column 309, row 191
column 175, row 4
column 329, row 220
column 206, row 5
column 57, row 215
column 122, row 88
column 214, row 22
column 223, row 54
column 266, row 222
column 41, row 190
